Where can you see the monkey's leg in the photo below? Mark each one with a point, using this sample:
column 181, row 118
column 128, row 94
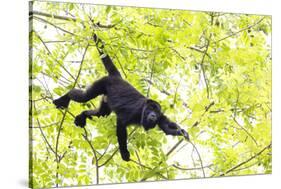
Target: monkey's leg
column 103, row 110
column 77, row 95
column 122, row 141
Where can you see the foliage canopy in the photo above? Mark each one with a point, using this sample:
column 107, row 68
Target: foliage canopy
column 210, row 71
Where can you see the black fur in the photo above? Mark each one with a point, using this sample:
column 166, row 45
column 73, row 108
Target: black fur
column 130, row 106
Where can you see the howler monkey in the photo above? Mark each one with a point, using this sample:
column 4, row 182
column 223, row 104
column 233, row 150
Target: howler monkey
column 130, row 106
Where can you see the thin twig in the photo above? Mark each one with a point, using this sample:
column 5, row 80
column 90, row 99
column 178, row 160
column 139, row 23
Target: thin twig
column 175, row 96
column 45, row 126
column 207, row 108
column 200, row 159
column 137, row 154
column 203, row 69
column 177, row 53
column 144, row 166
column 151, row 75
column 246, row 131
column 104, row 163
column 81, row 65
column 101, row 156
column 167, row 154
column 44, row 137
column 140, row 164
column 191, row 169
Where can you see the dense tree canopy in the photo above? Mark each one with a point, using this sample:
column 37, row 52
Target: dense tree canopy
column 210, row 71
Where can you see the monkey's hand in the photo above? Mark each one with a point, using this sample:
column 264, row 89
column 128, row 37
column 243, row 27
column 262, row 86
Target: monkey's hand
column 125, row 154
column 80, row 120
column 185, row 134
column 180, row 131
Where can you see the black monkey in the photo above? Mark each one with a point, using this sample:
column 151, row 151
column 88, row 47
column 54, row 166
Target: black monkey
column 130, row 106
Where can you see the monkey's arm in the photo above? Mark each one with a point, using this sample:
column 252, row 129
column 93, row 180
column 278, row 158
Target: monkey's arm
column 171, row 128
column 122, row 141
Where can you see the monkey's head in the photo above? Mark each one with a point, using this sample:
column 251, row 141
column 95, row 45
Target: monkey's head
column 151, row 113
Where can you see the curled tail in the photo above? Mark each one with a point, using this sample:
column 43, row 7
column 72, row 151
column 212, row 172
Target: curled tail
column 106, row 60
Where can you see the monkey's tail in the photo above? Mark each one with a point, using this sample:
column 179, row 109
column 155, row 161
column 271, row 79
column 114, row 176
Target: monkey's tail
column 106, row 60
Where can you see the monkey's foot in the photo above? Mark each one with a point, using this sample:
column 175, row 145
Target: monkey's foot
column 80, row 120
column 125, row 154
column 62, row 102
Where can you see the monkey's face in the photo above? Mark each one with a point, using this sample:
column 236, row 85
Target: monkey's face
column 151, row 114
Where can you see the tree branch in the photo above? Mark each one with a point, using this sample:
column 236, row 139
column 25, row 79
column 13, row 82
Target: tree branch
column 57, row 146
column 31, row 13
column 248, row 133
column 66, row 18
column 63, row 118
column 46, row 21
column 235, row 33
column 52, row 56
column 94, row 152
column 248, row 160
